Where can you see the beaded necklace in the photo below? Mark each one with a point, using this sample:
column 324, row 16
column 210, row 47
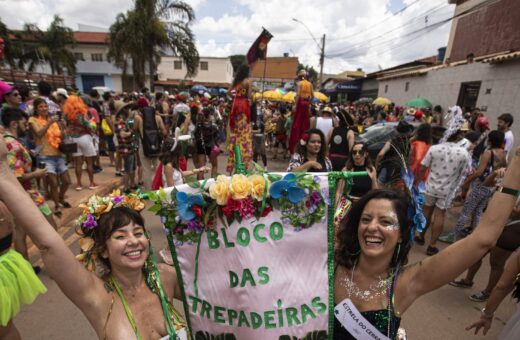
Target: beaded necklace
column 374, row 290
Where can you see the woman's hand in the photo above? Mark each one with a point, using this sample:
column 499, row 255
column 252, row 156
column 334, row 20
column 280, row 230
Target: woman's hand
column 372, row 173
column 484, row 323
column 313, row 165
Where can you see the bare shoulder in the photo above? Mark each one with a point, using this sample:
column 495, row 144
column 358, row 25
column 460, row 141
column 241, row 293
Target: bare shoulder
column 168, row 278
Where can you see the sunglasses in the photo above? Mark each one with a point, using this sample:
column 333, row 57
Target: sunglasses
column 358, row 152
column 15, row 94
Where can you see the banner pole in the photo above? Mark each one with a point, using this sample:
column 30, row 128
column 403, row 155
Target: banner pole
column 239, row 165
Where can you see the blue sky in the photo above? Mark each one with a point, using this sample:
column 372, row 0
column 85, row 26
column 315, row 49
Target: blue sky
column 360, row 33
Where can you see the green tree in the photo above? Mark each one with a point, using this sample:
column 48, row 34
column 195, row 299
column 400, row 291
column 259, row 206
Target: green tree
column 148, row 30
column 313, row 74
column 52, row 47
column 237, row 60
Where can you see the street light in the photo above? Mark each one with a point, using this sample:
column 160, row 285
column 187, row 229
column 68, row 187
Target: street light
column 321, row 47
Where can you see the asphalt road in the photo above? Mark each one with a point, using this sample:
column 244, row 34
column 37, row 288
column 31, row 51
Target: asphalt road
column 442, row 314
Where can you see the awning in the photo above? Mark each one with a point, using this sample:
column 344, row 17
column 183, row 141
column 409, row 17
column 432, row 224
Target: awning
column 414, row 73
column 503, row 57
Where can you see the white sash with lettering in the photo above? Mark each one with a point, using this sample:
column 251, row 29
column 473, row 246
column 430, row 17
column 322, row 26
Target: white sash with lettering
column 350, row 318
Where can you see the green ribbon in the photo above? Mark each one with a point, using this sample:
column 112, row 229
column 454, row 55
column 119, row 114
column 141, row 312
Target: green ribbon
column 264, row 198
column 239, row 165
column 196, row 275
column 168, row 321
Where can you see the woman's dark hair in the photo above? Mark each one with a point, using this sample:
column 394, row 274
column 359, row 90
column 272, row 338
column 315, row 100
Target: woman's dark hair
column 349, row 249
column 108, row 223
column 496, row 139
column 37, row 102
column 242, row 73
column 25, row 92
column 168, row 155
column 424, row 133
column 350, row 161
column 345, row 119
column 302, row 149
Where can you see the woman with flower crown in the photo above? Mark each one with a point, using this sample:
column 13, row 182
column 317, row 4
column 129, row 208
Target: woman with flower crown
column 373, row 286
column 133, row 298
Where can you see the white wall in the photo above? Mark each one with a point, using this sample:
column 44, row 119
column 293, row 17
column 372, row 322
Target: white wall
column 219, row 70
column 442, row 87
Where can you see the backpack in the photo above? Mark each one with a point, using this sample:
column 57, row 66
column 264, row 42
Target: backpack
column 151, row 137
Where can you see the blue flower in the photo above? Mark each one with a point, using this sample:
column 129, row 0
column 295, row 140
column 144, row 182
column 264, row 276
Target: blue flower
column 185, row 203
column 287, row 188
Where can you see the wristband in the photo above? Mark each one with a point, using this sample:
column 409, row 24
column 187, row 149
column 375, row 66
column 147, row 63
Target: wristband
column 509, row 191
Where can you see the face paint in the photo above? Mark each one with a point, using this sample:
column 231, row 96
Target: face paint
column 394, row 226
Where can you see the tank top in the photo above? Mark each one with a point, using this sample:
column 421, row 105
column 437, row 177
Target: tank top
column 305, row 88
column 338, row 141
column 324, row 124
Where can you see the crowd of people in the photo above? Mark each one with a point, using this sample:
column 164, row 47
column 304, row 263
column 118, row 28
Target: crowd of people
column 149, row 139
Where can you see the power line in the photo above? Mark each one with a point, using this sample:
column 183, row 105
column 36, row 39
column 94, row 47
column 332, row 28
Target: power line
column 413, row 20
column 435, row 25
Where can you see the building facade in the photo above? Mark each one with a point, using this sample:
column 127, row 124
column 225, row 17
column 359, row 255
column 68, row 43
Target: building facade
column 212, row 72
column 94, row 69
column 274, row 72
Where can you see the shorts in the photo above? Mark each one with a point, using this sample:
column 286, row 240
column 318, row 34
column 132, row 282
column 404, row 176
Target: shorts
column 510, row 238
column 129, row 163
column 203, row 150
column 110, row 143
column 435, row 201
column 54, row 164
column 85, row 146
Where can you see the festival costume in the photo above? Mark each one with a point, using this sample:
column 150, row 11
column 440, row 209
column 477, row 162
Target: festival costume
column 240, row 129
column 18, row 282
column 384, row 320
column 301, row 121
column 419, row 150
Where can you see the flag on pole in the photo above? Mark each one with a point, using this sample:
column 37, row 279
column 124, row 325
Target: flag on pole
column 259, row 48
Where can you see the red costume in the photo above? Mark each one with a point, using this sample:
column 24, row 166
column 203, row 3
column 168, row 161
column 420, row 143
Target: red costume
column 300, row 122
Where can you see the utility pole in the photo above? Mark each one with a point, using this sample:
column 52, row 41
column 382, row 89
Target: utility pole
column 322, row 60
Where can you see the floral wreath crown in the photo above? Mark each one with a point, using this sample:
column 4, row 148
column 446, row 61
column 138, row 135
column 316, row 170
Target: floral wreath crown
column 92, row 211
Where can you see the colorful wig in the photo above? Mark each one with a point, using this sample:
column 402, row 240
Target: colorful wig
column 73, row 107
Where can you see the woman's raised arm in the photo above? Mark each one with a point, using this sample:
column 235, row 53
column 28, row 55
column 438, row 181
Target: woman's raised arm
column 75, row 281
column 446, row 265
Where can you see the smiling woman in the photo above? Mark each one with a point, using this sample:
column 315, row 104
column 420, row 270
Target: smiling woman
column 373, row 286
column 133, row 297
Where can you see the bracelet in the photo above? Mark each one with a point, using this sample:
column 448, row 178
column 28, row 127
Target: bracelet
column 509, row 191
column 485, row 314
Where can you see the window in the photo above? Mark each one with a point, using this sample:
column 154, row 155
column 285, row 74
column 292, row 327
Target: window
column 79, row 56
column 386, row 88
column 177, row 65
column 203, row 65
column 406, row 86
column 97, row 56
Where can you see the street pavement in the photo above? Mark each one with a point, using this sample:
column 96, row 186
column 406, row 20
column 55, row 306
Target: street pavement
column 442, row 314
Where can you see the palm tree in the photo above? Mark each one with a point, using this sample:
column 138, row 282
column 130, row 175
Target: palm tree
column 150, row 28
column 52, row 47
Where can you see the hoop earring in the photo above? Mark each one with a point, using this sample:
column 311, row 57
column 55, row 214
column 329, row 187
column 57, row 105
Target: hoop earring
column 398, row 250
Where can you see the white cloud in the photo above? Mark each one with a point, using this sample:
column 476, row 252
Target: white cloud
column 359, row 33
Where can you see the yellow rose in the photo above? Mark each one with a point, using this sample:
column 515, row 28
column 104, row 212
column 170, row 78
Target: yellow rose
column 219, row 190
column 258, row 186
column 240, row 187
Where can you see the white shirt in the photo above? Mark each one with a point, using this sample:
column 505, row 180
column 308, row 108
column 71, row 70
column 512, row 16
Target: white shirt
column 509, row 141
column 177, row 178
column 447, row 163
column 324, row 124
